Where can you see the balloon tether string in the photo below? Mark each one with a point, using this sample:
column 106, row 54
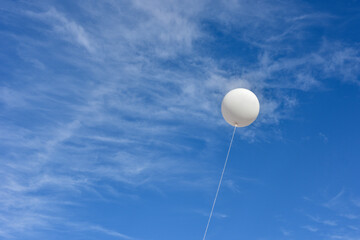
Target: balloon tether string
column 218, row 189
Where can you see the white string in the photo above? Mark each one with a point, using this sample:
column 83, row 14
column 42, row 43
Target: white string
column 217, row 192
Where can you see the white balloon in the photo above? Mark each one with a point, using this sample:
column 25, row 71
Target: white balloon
column 240, row 107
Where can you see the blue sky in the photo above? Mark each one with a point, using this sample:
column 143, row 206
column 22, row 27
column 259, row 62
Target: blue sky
column 110, row 123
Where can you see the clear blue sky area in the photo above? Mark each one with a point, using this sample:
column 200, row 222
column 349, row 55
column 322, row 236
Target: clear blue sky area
column 110, row 122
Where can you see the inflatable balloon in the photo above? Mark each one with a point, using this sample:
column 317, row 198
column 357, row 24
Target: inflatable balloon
column 240, row 107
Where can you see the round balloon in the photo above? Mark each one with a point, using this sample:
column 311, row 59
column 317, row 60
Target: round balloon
column 240, row 107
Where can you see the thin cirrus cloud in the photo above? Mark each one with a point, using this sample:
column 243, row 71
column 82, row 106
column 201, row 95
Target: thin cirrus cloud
column 336, row 217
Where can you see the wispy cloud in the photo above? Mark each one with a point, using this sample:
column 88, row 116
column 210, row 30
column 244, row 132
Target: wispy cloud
column 336, row 200
column 323, row 221
column 285, row 232
column 339, row 219
column 89, row 227
column 66, row 28
column 310, row 228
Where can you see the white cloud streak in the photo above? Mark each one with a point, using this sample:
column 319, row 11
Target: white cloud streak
column 339, row 221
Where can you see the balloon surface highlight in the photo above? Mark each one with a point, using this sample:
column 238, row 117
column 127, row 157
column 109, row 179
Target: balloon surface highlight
column 240, row 107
